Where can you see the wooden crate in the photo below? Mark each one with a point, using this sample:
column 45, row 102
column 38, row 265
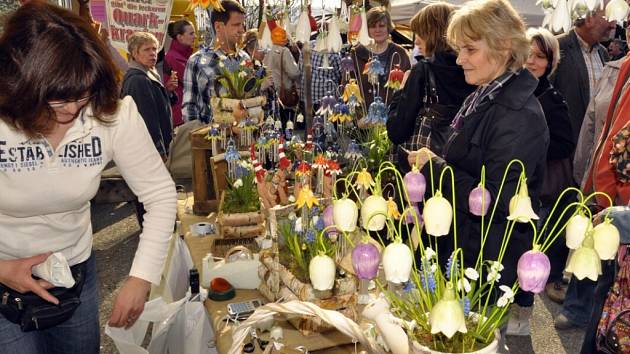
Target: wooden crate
column 206, row 196
column 209, row 173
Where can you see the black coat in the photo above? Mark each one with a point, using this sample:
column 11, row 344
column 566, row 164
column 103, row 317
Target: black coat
column 154, row 105
column 561, row 142
column 571, row 78
column 508, row 125
column 451, row 88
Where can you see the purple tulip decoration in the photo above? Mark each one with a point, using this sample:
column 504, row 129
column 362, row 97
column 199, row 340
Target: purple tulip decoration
column 365, row 261
column 416, row 184
column 328, row 219
column 409, row 215
column 476, row 205
column 347, row 65
column 533, row 271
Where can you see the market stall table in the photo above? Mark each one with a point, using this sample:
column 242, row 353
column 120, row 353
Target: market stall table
column 322, row 343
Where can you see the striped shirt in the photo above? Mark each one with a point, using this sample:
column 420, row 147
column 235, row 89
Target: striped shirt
column 594, row 64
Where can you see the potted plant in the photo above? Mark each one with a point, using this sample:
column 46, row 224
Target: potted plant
column 237, row 87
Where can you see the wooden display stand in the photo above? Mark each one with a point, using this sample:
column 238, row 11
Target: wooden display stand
column 206, row 196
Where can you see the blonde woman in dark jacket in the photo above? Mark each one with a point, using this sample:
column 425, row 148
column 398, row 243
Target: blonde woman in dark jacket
column 501, row 121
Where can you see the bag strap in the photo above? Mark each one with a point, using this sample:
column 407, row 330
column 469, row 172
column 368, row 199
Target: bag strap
column 430, row 90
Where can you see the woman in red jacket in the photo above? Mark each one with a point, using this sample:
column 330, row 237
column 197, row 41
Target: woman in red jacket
column 183, row 34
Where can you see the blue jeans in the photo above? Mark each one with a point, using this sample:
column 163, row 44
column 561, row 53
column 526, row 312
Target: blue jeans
column 80, row 334
column 578, row 303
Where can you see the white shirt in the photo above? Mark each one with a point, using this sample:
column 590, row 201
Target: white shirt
column 45, row 194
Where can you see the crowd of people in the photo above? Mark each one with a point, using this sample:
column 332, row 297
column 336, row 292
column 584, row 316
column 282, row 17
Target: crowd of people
column 480, row 89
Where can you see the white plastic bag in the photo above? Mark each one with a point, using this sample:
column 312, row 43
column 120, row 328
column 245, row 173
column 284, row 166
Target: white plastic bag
column 180, row 327
column 55, row 270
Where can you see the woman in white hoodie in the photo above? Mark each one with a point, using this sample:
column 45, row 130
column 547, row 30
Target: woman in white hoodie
column 61, row 123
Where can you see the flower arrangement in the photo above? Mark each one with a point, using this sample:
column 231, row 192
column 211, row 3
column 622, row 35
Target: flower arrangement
column 305, row 239
column 241, row 195
column 239, row 79
column 449, row 305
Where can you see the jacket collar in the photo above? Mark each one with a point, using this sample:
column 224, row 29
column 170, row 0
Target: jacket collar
column 151, row 73
column 517, row 91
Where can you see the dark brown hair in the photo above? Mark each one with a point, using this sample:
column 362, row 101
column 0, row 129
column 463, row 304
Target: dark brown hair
column 379, row 14
column 48, row 53
column 178, row 27
column 430, row 25
column 229, row 6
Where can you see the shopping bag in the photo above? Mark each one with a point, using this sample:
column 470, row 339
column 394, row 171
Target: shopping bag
column 181, row 327
column 177, row 271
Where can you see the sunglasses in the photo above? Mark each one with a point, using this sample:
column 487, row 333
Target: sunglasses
column 61, row 104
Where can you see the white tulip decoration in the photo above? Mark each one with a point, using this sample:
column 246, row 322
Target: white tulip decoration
column 592, row 4
column 397, row 262
column 576, row 230
column 561, row 18
column 606, row 240
column 265, row 41
column 437, row 215
column 334, row 36
column 447, row 315
column 321, row 271
column 345, row 214
column 320, row 42
column 364, row 36
column 584, row 262
column 521, row 205
column 617, row 10
column 303, row 30
column 374, row 213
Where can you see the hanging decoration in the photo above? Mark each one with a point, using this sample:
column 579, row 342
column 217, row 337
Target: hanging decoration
column 395, row 78
column 373, row 69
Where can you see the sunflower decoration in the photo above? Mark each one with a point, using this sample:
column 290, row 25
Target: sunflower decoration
column 214, row 4
column 306, row 198
column 395, row 78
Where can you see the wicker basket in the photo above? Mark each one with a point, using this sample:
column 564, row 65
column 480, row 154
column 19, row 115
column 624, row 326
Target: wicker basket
column 278, row 282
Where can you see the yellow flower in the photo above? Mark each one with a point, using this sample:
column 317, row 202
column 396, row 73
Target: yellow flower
column 364, row 179
column 306, row 197
column 352, row 88
column 392, row 209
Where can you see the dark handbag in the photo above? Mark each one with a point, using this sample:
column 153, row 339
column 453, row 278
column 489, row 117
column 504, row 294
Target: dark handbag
column 430, row 113
column 558, row 177
column 32, row 312
column 288, row 98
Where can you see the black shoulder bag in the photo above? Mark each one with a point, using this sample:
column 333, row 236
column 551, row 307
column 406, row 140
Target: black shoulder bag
column 32, row 312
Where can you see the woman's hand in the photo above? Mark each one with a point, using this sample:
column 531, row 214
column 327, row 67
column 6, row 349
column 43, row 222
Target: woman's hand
column 171, row 85
column 420, row 157
column 129, row 302
column 17, row 275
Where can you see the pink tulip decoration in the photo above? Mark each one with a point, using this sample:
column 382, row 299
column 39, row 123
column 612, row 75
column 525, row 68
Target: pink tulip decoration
column 533, row 270
column 416, row 184
column 365, row 261
column 479, row 201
